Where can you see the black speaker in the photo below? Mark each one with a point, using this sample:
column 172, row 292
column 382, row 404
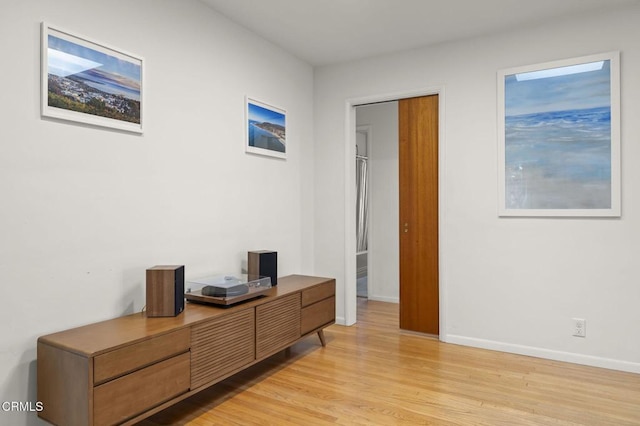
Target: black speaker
column 263, row 263
column 165, row 290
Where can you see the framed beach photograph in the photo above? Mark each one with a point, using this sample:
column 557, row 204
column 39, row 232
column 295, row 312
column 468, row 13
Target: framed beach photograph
column 265, row 129
column 89, row 82
column 559, row 138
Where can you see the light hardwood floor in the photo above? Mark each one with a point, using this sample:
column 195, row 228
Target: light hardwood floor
column 375, row 374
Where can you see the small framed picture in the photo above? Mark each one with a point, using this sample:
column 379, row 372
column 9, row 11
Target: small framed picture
column 89, row 82
column 266, row 127
column 559, row 138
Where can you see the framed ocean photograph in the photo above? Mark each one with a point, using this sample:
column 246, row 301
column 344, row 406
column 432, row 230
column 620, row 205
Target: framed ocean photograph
column 89, row 82
column 265, row 129
column 559, row 138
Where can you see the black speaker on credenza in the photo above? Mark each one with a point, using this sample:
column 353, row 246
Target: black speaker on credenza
column 263, row 263
column 165, row 290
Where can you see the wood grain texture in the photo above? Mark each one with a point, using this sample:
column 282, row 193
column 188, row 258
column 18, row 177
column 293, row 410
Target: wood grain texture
column 64, row 386
column 122, row 398
column 319, row 292
column 418, row 179
column 161, row 290
column 222, row 346
column 372, row 373
column 277, row 324
column 124, row 360
column 318, row 315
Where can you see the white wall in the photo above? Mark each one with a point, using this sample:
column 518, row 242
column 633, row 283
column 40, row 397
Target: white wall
column 513, row 283
column 383, row 256
column 86, row 210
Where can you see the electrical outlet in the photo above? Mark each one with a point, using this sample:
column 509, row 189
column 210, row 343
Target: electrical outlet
column 580, row 327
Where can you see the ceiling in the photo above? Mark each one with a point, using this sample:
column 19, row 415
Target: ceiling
column 325, row 32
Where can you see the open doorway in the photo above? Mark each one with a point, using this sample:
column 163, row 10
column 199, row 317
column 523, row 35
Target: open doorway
column 378, row 123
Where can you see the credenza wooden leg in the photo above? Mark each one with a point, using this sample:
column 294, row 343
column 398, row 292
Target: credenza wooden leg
column 321, row 336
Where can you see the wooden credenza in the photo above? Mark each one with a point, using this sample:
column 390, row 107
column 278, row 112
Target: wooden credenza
column 123, row 370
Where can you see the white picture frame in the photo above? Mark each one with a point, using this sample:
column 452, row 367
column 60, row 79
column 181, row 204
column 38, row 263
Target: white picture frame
column 559, row 138
column 265, row 129
column 89, row 82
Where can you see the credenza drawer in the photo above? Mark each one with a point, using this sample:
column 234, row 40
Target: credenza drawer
column 318, row 292
column 319, row 314
column 123, row 398
column 130, row 358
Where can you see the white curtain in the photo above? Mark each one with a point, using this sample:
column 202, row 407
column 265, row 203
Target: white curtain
column 362, row 201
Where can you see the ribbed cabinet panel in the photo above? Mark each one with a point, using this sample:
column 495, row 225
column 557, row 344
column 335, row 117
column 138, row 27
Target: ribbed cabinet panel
column 277, row 325
column 222, row 346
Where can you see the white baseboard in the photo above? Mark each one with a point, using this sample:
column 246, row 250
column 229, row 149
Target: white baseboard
column 612, row 364
column 384, row 299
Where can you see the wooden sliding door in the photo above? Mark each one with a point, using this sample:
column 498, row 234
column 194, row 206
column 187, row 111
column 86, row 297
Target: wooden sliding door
column 418, row 180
